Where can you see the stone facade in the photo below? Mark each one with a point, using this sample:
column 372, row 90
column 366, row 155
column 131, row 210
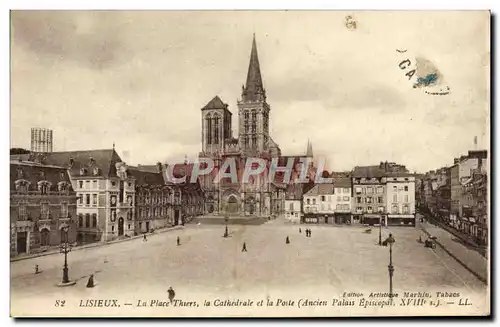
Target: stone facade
column 42, row 202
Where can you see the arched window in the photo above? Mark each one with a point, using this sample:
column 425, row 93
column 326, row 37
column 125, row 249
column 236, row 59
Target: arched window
column 314, row 201
column 45, row 237
column 308, row 201
column 216, row 129
column 208, row 128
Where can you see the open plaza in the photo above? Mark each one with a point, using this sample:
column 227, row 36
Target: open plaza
column 208, row 267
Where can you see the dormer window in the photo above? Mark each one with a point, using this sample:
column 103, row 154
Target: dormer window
column 96, row 171
column 71, row 161
column 62, row 175
column 20, row 173
column 83, row 171
column 43, row 188
column 91, row 160
column 42, row 175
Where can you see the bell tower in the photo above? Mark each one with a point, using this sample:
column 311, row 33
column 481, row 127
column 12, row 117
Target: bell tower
column 216, row 126
column 253, row 110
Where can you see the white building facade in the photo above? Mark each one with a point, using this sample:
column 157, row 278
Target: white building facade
column 400, row 199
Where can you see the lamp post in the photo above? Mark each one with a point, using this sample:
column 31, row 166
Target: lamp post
column 65, row 248
column 390, row 240
column 380, row 231
column 226, row 232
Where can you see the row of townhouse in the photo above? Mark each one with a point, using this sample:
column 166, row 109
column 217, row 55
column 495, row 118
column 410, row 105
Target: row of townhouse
column 368, row 195
column 104, row 198
column 457, row 195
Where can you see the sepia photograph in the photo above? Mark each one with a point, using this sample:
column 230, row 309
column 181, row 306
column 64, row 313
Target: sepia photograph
column 249, row 163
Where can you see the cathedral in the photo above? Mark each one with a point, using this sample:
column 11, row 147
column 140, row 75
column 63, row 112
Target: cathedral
column 259, row 196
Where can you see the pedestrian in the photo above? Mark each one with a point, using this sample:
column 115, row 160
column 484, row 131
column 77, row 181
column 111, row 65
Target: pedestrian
column 144, row 239
column 171, row 294
column 244, row 247
column 178, row 241
column 287, row 240
column 90, row 282
column 310, row 231
column 36, row 270
column 300, row 230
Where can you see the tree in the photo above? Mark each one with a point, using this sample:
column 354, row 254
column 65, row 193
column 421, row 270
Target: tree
column 19, row 151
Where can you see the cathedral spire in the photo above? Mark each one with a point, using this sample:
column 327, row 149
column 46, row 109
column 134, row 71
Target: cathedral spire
column 254, row 89
column 309, row 152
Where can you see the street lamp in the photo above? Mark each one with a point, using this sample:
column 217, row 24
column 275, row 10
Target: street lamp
column 226, row 232
column 65, row 248
column 390, row 240
column 380, row 231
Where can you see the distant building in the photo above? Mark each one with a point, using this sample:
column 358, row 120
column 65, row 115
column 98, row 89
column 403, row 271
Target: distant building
column 342, row 200
column 153, row 201
column 319, row 204
column 460, row 173
column 369, row 205
column 106, row 193
column 42, row 202
column 400, row 198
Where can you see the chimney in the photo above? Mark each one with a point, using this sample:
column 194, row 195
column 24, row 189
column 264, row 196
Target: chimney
column 159, row 167
column 91, row 160
column 71, row 162
column 455, row 161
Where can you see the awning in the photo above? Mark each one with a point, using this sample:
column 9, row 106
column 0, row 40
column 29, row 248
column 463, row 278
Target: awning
column 401, row 216
column 372, row 216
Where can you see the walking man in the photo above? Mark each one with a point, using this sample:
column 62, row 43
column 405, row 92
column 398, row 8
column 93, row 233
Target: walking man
column 171, row 294
column 287, row 240
column 144, row 239
column 178, row 241
column 244, row 247
column 300, row 230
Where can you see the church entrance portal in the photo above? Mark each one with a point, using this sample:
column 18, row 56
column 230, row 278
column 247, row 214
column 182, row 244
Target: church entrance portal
column 120, row 226
column 232, row 205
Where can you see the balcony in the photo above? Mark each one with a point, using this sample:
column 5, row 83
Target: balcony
column 24, row 224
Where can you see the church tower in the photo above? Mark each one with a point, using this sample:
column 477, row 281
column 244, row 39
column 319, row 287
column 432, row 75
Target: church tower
column 253, row 110
column 216, row 127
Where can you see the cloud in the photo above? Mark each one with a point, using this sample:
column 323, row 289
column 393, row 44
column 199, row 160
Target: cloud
column 91, row 39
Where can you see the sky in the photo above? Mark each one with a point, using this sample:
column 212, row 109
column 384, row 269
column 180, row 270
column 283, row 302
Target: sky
column 139, row 80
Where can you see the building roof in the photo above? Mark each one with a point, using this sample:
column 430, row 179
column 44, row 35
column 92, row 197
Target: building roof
column 215, row 103
column 35, row 172
column 105, row 160
column 146, row 177
column 367, row 171
column 254, row 88
column 342, row 182
column 321, row 189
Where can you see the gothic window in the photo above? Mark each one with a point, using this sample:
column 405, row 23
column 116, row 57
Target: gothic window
column 254, row 141
column 254, row 116
column 64, row 209
column 209, row 129
column 44, row 211
column 216, row 129
column 22, row 211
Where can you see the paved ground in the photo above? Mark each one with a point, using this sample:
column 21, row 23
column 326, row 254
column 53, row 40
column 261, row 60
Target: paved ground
column 208, row 266
column 469, row 256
